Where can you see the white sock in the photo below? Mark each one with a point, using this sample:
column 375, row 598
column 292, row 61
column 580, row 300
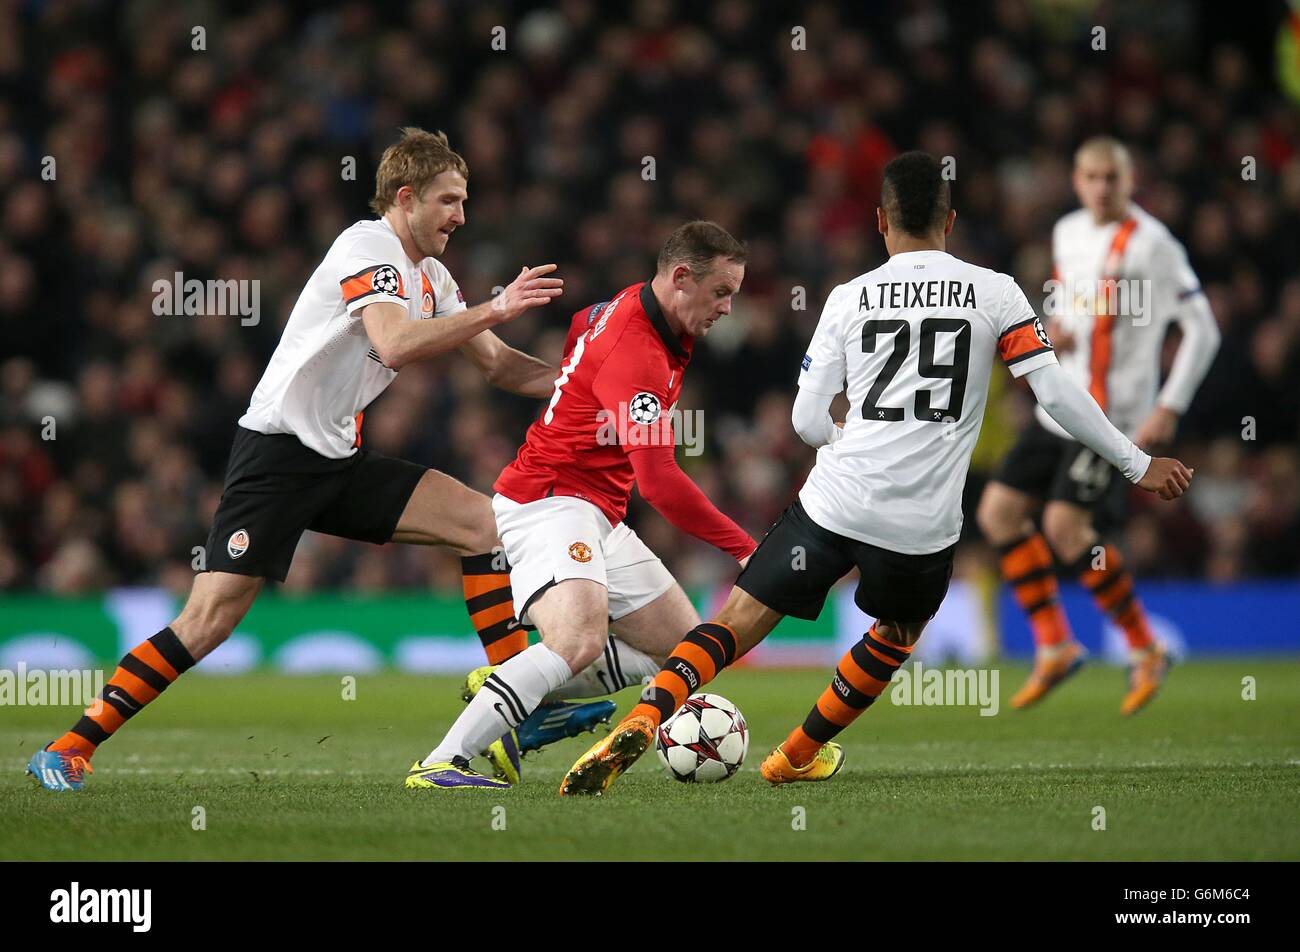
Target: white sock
column 509, row 695
column 621, row 666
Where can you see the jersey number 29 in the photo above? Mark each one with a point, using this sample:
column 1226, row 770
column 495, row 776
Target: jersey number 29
column 956, row 371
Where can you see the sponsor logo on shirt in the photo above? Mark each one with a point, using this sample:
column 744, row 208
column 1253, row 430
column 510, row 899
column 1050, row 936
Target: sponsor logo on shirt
column 238, row 543
column 806, row 363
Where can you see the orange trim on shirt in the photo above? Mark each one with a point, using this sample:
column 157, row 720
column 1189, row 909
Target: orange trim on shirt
column 1103, row 327
column 362, row 283
column 359, row 417
column 1020, row 342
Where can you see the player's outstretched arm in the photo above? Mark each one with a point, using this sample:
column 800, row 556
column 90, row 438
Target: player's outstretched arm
column 1078, row 414
column 400, row 341
column 676, row 497
column 510, row 369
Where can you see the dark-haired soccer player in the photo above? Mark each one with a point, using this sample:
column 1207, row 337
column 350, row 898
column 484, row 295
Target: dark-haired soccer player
column 1101, row 254
column 379, row 300
column 576, row 568
column 914, row 340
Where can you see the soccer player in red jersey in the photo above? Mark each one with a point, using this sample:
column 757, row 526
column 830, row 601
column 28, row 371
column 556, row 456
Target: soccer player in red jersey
column 577, row 570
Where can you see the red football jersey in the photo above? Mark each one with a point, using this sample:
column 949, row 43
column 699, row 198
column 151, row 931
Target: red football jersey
column 619, row 381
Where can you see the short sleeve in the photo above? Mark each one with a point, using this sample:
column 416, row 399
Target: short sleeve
column 371, row 273
column 632, row 392
column 1023, row 344
column 823, row 366
column 447, row 294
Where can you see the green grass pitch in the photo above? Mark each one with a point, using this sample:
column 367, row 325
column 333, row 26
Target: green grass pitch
column 284, row 768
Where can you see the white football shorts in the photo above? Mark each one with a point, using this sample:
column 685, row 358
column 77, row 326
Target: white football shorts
column 563, row 537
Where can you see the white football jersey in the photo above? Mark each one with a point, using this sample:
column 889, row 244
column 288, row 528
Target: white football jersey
column 1118, row 328
column 915, row 341
column 324, row 372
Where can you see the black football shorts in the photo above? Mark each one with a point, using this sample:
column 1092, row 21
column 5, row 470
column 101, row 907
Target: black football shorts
column 1049, row 467
column 798, row 562
column 276, row 488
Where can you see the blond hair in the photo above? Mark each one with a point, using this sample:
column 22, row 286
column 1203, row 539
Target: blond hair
column 416, row 159
column 1107, row 146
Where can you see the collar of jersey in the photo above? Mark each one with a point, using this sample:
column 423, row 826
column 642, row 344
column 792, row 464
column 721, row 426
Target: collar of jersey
column 650, row 304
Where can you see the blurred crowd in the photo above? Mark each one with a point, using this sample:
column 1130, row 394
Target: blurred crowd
column 593, row 132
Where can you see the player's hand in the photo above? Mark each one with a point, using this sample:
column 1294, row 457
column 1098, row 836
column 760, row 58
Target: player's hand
column 1157, row 429
column 529, row 289
column 1167, row 477
column 1061, row 338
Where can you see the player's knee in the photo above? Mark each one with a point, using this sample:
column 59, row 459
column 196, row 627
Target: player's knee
column 1067, row 538
column 903, row 634
column 997, row 520
column 583, row 646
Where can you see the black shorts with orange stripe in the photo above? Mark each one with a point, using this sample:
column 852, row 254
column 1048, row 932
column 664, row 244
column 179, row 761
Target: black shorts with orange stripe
column 276, row 489
column 798, row 562
column 1052, row 468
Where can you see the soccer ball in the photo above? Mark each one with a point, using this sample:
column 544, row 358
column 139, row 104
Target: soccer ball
column 705, row 741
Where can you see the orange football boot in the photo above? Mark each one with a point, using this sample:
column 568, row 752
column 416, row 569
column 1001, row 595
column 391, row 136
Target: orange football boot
column 600, row 766
column 1146, row 673
column 1051, row 666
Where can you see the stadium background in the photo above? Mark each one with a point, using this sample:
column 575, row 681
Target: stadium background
column 228, row 162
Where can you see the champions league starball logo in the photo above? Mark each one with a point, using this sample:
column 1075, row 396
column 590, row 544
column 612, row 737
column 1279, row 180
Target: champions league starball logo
column 644, row 408
column 386, row 280
column 1041, row 332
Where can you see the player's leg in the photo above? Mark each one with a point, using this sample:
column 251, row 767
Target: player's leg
column 217, row 603
column 556, row 548
column 648, row 611
column 903, row 592
column 695, row 661
column 1101, row 569
column 274, row 487
column 444, row 511
column 1005, row 515
column 789, row 574
column 571, row 616
column 862, row 675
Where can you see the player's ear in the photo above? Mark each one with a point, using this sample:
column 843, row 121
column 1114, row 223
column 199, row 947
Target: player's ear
column 882, row 223
column 680, row 273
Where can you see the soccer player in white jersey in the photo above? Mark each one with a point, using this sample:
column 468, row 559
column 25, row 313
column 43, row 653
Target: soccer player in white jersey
column 380, row 300
column 912, row 344
column 1119, row 279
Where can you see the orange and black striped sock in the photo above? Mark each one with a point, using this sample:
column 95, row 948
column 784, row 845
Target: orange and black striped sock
column 141, row 676
column 863, row 673
column 697, row 659
column 1027, row 566
column 486, row 581
column 1112, row 590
